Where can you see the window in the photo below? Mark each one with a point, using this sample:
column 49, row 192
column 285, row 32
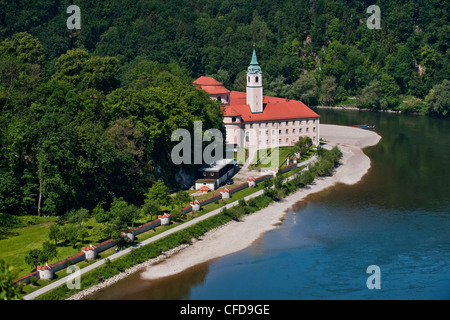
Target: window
column 293, row 130
column 251, row 125
column 287, row 140
column 287, row 123
column 248, row 79
column 300, row 130
column 307, row 129
column 279, row 131
column 233, row 119
column 301, row 121
column 219, row 98
column 287, row 131
column 314, row 129
column 247, row 136
column 267, row 132
column 273, row 131
column 256, row 80
column 204, row 173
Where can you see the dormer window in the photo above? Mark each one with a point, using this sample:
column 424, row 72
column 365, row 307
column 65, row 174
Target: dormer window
column 233, row 119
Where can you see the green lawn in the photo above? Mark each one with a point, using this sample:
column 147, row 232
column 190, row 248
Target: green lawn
column 264, row 157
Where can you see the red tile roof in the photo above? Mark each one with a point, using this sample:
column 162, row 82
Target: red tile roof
column 274, row 109
column 211, row 85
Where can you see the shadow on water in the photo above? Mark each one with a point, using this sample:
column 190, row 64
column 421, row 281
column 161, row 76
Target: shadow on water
column 174, row 287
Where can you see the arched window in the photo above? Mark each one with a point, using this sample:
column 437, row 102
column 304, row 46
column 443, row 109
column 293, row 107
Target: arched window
column 219, row 98
column 233, row 119
column 256, row 79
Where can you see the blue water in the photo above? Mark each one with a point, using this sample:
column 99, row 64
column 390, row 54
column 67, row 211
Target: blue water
column 325, row 253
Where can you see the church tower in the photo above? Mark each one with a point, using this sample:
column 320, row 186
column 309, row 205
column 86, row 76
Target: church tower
column 254, row 86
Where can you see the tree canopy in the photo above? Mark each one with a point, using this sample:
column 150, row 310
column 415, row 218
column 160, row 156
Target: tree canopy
column 86, row 115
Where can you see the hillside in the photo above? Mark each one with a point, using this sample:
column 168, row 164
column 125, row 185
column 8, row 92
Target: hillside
column 86, row 115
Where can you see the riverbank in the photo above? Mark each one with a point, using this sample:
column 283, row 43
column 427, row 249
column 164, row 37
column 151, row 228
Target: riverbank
column 229, row 238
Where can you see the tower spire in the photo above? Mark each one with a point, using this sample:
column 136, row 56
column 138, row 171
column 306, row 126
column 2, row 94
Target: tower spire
column 254, row 66
column 254, row 85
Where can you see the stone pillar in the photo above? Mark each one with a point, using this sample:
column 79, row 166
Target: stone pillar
column 128, row 236
column 89, row 252
column 45, row 272
column 165, row 219
column 225, row 193
column 195, row 205
column 251, row 182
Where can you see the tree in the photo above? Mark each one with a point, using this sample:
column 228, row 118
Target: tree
column 49, row 251
column 181, row 197
column 438, row 99
column 305, row 89
column 78, row 216
column 24, row 46
column 8, row 289
column 158, row 193
column 122, row 213
column 329, row 85
column 54, row 233
column 34, row 258
column 370, row 96
column 151, row 208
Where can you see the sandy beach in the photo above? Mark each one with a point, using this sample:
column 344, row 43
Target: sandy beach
column 236, row 236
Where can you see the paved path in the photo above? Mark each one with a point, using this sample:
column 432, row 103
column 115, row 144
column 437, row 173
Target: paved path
column 68, row 278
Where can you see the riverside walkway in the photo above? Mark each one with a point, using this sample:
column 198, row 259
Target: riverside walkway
column 69, row 278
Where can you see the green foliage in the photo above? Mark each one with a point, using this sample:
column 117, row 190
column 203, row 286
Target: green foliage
column 438, row 99
column 36, row 257
column 86, row 117
column 8, row 289
column 158, row 193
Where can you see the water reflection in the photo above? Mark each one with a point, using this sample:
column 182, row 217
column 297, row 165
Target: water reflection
column 174, row 287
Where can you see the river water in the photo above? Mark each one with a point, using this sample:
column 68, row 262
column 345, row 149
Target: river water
column 397, row 218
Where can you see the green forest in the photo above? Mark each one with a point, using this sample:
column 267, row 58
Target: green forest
column 86, row 115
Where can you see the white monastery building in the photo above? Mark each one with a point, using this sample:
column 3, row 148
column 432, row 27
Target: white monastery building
column 254, row 120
